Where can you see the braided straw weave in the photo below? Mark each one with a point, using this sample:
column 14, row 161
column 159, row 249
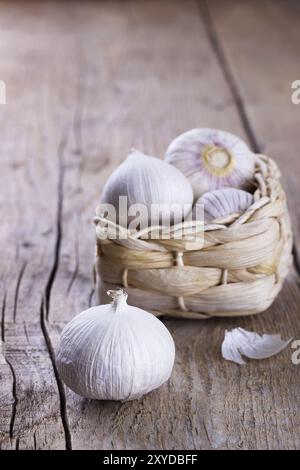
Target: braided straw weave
column 238, row 270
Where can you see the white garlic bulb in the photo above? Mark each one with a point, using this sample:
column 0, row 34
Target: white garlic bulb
column 115, row 351
column 223, row 202
column 212, row 159
column 148, row 180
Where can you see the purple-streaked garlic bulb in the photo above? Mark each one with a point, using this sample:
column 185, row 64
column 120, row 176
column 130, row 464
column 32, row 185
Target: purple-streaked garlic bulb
column 212, row 159
column 222, row 202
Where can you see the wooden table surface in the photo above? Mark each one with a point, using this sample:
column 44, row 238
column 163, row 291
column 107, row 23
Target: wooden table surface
column 86, row 81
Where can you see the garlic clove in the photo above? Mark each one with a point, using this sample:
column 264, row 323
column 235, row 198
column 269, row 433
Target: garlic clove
column 115, row 351
column 240, row 342
column 222, row 202
column 149, row 181
column 212, row 159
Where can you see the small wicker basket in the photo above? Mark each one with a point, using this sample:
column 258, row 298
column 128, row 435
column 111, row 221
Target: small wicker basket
column 238, row 271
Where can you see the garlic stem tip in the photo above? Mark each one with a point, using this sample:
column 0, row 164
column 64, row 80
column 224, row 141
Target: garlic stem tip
column 117, row 294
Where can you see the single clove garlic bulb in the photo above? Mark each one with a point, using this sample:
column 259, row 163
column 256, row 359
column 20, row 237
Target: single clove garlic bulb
column 212, row 159
column 240, row 342
column 149, row 180
column 115, row 351
column 222, row 202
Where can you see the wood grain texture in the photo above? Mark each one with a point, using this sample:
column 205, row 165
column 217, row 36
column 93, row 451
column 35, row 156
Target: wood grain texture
column 85, row 84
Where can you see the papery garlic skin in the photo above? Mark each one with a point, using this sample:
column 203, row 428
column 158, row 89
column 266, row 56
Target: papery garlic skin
column 239, row 342
column 222, row 202
column 148, row 180
column 115, row 352
column 212, row 159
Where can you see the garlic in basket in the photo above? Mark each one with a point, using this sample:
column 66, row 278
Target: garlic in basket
column 222, row 202
column 115, row 351
column 149, row 181
column 212, row 159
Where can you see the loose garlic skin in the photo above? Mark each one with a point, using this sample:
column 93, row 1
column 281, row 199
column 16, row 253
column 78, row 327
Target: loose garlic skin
column 115, row 352
column 212, row 159
column 149, row 180
column 222, row 202
column 239, row 342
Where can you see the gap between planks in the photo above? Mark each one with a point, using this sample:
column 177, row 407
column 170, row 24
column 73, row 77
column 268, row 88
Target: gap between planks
column 218, row 50
column 45, row 303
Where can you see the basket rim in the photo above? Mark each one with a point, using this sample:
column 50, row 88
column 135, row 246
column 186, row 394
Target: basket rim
column 266, row 172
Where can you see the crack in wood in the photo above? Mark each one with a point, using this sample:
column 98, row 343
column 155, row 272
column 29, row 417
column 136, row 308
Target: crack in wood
column 60, row 191
column 76, row 269
column 15, row 402
column 296, row 260
column 225, row 68
column 91, row 297
column 14, row 381
column 60, row 386
column 45, row 304
column 3, row 318
column 17, row 290
column 207, row 434
column 26, row 333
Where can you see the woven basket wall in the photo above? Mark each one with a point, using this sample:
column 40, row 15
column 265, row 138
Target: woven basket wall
column 238, row 271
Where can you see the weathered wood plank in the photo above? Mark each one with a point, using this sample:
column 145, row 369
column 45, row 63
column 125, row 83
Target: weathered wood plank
column 259, row 43
column 116, row 75
column 168, row 79
column 32, row 125
column 156, row 87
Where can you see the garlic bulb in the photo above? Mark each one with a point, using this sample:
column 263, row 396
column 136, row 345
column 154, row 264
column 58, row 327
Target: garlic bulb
column 222, row 202
column 240, row 342
column 147, row 181
column 212, row 159
column 115, row 351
